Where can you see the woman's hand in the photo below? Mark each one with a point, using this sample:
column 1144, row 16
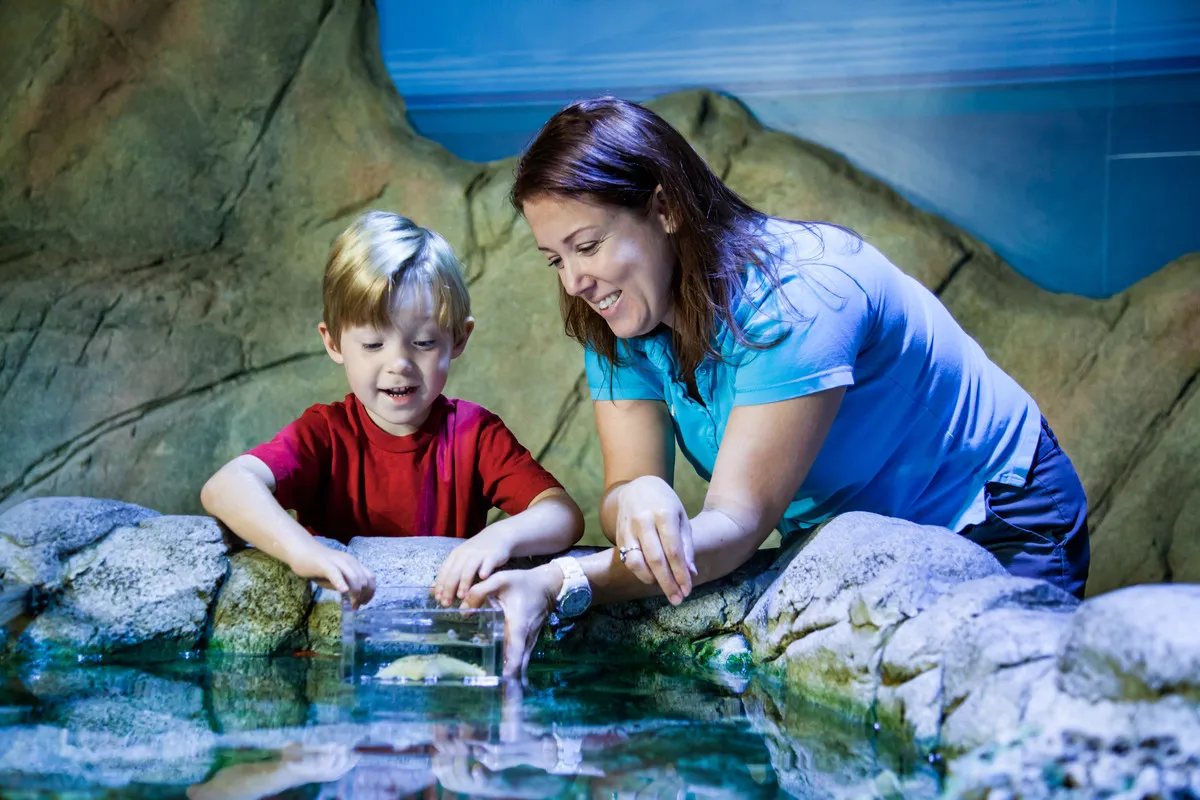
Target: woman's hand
column 655, row 535
column 527, row 597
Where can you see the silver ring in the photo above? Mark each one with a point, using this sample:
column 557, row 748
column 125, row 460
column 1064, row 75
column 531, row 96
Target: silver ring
column 624, row 551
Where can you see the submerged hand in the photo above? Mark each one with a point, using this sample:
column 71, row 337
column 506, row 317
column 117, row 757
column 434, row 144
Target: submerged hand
column 527, row 596
column 654, row 530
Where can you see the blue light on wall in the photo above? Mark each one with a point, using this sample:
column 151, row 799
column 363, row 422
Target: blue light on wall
column 1064, row 134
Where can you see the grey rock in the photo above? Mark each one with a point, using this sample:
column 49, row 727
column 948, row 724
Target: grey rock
column 261, row 606
column 37, row 535
column 653, row 626
column 914, row 706
column 410, row 561
column 998, row 640
column 920, row 643
column 144, row 589
column 1135, row 644
column 885, row 570
column 995, row 710
column 826, row 618
column 836, row 666
column 1093, row 748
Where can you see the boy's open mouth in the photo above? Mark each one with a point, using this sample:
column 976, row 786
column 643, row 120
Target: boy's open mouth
column 402, row 391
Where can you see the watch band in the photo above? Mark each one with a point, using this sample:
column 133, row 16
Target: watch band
column 572, row 573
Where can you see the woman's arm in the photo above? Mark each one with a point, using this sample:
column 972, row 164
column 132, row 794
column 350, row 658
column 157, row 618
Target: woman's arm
column 637, row 440
column 765, row 455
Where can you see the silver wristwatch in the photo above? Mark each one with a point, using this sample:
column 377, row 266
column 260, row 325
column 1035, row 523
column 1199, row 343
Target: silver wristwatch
column 573, row 598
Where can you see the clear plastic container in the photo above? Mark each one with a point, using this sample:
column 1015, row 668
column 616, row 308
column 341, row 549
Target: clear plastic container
column 404, row 636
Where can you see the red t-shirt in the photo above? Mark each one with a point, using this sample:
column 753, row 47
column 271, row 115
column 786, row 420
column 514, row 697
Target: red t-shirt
column 345, row 477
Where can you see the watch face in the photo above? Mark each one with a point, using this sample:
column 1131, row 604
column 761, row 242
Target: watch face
column 575, row 602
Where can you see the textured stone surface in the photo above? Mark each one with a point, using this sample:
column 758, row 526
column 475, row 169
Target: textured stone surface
column 145, row 588
column 998, row 640
column 36, row 535
column 403, row 562
column 324, row 626
column 862, row 568
column 262, row 606
column 1135, row 644
column 920, row 644
column 1145, row 528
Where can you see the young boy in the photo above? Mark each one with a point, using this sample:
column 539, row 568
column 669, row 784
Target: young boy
column 396, row 457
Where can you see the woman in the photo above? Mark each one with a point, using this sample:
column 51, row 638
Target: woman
column 800, row 372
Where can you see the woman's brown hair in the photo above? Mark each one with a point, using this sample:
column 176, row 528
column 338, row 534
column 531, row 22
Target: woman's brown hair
column 615, row 152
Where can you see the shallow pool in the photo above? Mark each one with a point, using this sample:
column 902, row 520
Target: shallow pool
column 290, row 727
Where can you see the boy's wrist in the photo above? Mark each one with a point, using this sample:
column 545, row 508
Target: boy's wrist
column 298, row 551
column 504, row 535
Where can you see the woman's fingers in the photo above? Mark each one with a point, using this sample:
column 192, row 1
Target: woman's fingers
column 632, row 549
column 481, row 591
column 656, row 558
column 675, row 533
column 648, row 561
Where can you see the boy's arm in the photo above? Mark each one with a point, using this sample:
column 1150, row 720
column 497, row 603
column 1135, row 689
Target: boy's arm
column 241, row 494
column 542, row 517
column 551, row 523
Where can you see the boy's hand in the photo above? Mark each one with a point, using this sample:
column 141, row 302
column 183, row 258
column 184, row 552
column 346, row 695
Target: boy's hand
column 478, row 556
column 335, row 570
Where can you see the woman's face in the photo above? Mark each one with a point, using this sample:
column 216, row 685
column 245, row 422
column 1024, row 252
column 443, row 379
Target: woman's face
column 619, row 261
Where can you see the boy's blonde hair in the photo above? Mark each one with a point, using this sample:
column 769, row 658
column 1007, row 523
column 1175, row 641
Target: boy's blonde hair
column 378, row 258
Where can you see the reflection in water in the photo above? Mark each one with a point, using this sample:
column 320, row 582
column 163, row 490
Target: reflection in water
column 256, row 728
column 295, row 766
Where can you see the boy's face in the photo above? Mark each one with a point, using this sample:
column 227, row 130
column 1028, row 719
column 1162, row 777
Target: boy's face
column 397, row 373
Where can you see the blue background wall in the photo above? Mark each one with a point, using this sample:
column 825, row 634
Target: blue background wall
column 1064, row 134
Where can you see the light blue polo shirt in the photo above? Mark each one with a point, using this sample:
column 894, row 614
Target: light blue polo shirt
column 927, row 418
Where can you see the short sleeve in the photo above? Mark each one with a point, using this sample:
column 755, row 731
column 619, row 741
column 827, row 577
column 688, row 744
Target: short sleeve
column 298, row 457
column 631, row 379
column 820, row 321
column 511, row 476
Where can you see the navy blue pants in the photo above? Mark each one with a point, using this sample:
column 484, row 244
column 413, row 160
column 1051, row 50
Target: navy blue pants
column 1039, row 530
